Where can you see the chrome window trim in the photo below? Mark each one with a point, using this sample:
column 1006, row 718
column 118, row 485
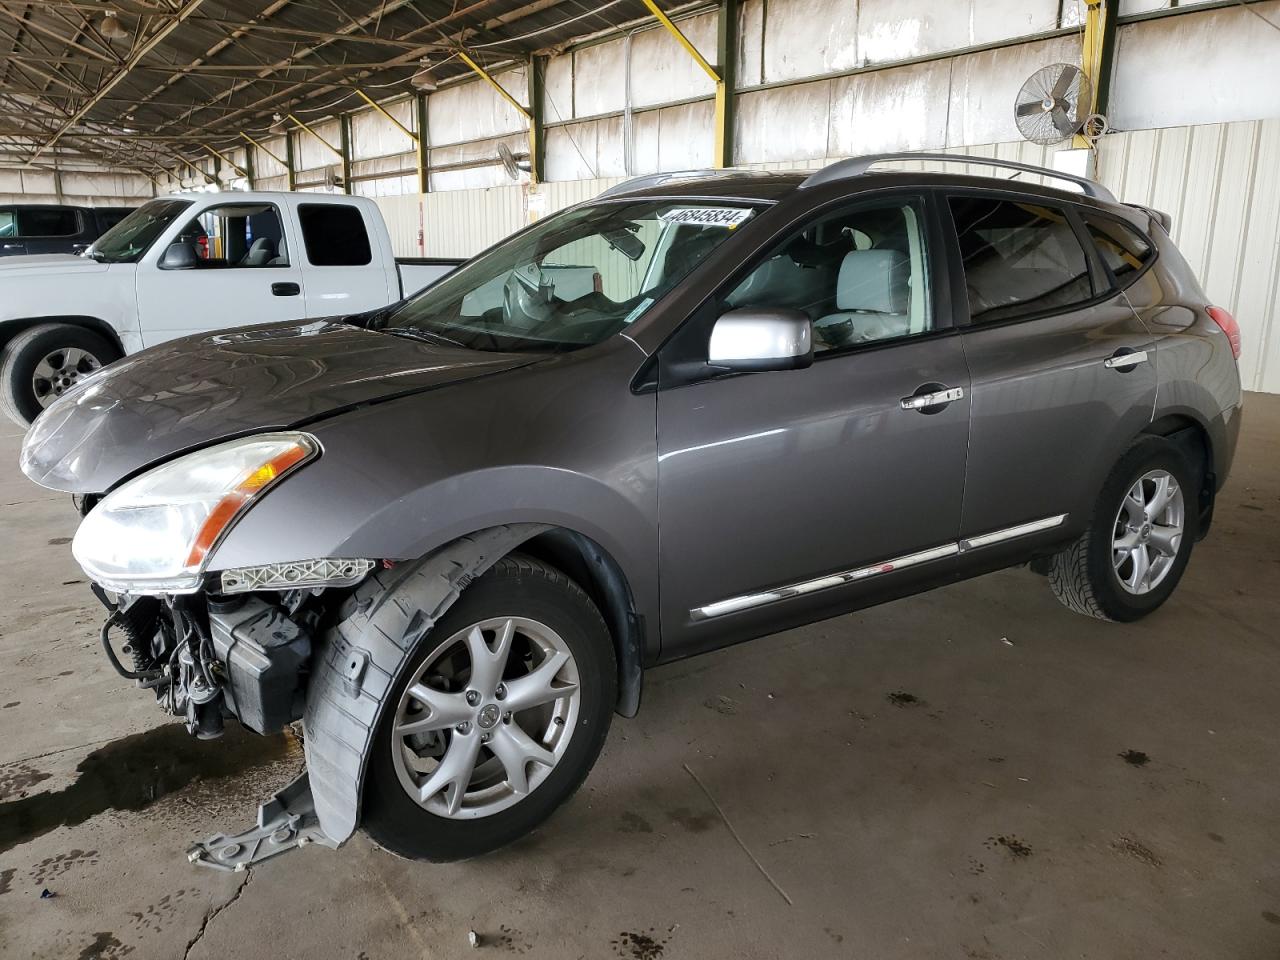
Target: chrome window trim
column 750, row 601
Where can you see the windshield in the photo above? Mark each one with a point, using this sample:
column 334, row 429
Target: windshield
column 573, row 280
column 129, row 239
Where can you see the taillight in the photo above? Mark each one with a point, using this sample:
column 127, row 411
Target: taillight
column 1227, row 322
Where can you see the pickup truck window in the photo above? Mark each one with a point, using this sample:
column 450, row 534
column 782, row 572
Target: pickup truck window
column 47, row 222
column 572, row 280
column 129, row 239
column 8, row 225
column 238, row 235
column 334, row 235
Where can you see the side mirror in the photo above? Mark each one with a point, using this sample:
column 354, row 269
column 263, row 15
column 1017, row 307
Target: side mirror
column 179, row 256
column 762, row 338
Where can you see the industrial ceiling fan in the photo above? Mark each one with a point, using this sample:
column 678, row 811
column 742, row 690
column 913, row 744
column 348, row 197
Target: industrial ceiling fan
column 1053, row 103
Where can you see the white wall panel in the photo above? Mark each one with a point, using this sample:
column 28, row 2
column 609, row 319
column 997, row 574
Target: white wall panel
column 903, row 108
column 663, row 71
column 600, row 84
column 902, row 29
column 474, row 110
column 1210, row 66
column 373, row 135
column 309, row 153
column 807, row 38
column 785, row 123
column 750, row 42
column 984, row 86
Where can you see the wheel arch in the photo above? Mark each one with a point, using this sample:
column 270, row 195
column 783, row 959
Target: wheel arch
column 1192, row 437
column 11, row 328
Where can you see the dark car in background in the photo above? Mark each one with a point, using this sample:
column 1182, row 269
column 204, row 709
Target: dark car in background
column 451, row 534
column 30, row 228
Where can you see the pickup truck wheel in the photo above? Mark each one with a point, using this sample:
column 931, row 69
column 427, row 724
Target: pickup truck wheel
column 1139, row 540
column 497, row 719
column 41, row 364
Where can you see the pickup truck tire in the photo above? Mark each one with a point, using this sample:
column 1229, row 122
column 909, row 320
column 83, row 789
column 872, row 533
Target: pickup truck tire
column 43, row 362
column 560, row 653
column 1130, row 559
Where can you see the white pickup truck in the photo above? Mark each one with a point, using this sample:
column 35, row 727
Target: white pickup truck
column 187, row 264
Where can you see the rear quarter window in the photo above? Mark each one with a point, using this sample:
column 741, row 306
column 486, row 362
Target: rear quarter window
column 334, row 235
column 1122, row 248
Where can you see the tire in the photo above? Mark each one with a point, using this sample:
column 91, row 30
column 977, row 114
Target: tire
column 531, row 592
column 23, row 355
column 1085, row 576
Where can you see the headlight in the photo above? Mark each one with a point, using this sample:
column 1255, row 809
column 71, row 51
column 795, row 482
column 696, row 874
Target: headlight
column 155, row 533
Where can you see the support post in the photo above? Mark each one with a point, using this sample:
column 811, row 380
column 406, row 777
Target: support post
column 1097, row 56
column 727, row 61
column 344, row 129
column 290, row 166
column 722, row 145
column 537, row 74
column 424, row 145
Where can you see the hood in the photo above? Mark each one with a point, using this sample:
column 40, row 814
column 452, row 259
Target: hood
column 47, row 264
column 196, row 391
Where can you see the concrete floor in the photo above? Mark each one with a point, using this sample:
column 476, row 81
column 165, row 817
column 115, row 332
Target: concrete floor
column 976, row 773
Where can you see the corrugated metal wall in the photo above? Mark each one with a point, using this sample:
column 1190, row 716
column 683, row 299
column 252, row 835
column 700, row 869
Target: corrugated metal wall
column 1216, row 180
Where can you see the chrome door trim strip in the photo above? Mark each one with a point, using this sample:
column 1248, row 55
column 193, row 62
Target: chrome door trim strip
column 750, row 601
column 1009, row 533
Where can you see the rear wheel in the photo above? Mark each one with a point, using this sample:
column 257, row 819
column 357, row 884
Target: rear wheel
column 41, row 364
column 497, row 720
column 1139, row 540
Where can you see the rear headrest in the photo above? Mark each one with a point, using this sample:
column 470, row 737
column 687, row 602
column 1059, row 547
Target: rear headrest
column 874, row 280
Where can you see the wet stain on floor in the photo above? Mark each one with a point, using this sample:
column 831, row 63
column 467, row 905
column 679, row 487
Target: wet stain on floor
column 105, row 946
column 1134, row 758
column 900, row 698
column 6, row 878
column 55, row 866
column 134, row 772
column 692, row 821
column 634, row 823
column 1137, row 850
column 639, row 946
column 16, row 780
column 1017, row 849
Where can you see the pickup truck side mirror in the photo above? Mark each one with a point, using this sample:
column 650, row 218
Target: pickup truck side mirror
column 179, row 256
column 761, row 338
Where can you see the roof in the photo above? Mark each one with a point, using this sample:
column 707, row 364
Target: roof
column 190, row 72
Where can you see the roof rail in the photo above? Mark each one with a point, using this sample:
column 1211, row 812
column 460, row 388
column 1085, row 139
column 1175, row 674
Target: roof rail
column 657, row 179
column 856, row 166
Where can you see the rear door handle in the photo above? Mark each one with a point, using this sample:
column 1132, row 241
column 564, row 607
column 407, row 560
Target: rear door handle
column 932, row 400
column 1125, row 359
column 285, row 289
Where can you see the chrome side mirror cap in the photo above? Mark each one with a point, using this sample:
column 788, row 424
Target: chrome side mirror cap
column 761, row 338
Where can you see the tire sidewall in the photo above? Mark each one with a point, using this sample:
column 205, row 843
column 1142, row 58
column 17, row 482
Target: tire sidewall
column 395, row 821
column 1144, row 456
column 27, row 349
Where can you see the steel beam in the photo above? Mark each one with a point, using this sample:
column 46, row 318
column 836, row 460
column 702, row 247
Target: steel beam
column 424, row 144
column 332, row 149
column 1097, row 56
column 536, row 72
column 377, row 106
column 140, row 51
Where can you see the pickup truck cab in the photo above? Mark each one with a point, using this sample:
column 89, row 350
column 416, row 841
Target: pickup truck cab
column 188, row 264
column 54, row 228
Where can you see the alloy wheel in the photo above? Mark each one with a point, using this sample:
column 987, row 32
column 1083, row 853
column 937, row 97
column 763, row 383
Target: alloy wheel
column 59, row 371
column 1148, row 532
column 486, row 717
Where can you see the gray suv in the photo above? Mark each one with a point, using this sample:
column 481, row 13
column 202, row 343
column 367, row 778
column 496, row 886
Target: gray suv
column 451, row 535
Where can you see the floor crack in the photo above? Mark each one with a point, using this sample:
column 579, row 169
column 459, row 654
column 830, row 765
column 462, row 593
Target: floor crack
column 210, row 914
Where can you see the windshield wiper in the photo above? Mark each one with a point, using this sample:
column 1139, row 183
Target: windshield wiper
column 422, row 336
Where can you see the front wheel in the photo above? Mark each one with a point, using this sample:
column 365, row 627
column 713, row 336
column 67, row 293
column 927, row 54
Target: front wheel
column 497, row 719
column 1139, row 539
column 41, row 364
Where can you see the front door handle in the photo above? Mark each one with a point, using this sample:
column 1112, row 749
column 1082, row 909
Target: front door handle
column 285, row 289
column 12, row 246
column 932, row 398
column 1125, row 359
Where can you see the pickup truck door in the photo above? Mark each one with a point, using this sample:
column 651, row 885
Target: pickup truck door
column 789, row 496
column 350, row 268
column 246, row 273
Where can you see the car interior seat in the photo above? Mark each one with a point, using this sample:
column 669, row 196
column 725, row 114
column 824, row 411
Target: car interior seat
column 872, row 298
column 260, row 254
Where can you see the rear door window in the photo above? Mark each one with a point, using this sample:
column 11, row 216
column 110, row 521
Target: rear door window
column 334, row 235
column 8, row 224
column 47, row 222
column 1122, row 248
column 1021, row 259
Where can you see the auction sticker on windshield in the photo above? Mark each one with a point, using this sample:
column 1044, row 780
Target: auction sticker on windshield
column 726, row 217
